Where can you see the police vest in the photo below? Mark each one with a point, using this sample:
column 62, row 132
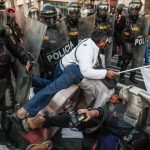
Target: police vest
column 5, row 60
column 136, row 30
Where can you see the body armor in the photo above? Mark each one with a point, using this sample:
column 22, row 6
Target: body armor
column 55, row 41
column 73, row 30
column 106, row 24
column 55, row 46
column 136, row 40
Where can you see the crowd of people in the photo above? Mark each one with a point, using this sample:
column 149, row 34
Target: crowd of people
column 91, row 126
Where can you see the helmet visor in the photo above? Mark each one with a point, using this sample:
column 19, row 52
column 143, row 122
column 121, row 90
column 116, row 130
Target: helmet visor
column 134, row 6
column 74, row 12
column 103, row 7
column 50, row 21
column 34, row 15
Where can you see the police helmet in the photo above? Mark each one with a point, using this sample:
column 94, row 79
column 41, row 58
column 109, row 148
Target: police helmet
column 33, row 13
column 135, row 7
column 74, row 10
column 48, row 14
column 120, row 8
column 102, row 8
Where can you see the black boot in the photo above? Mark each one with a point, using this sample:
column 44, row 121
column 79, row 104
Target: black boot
column 122, row 79
column 11, row 95
column 6, row 127
column 119, row 61
column 132, row 78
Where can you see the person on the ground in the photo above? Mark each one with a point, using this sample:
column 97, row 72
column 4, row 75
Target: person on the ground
column 122, row 134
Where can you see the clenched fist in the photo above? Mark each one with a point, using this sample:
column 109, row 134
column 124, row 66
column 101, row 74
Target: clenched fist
column 111, row 74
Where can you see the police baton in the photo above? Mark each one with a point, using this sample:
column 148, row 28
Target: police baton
column 134, row 69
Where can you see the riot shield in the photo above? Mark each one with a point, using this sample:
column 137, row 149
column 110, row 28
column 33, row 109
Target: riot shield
column 33, row 38
column 147, row 25
column 20, row 19
column 56, row 44
column 86, row 25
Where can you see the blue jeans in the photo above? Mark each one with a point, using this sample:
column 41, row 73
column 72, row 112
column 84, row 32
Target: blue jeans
column 71, row 75
column 146, row 55
column 39, row 83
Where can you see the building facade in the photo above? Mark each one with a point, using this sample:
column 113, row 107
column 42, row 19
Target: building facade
column 62, row 4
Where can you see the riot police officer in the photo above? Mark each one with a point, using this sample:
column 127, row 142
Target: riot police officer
column 55, row 44
column 72, row 21
column 105, row 21
column 33, row 13
column 134, row 37
column 8, row 45
column 15, row 31
column 120, row 23
column 48, row 15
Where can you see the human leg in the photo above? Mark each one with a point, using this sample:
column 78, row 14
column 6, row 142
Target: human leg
column 70, row 76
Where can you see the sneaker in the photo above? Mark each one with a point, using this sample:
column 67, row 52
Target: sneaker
column 21, row 124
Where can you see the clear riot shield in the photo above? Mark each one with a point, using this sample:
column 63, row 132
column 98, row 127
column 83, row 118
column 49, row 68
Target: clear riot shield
column 33, row 38
column 20, row 19
column 3, row 18
column 56, row 44
column 86, row 26
column 147, row 25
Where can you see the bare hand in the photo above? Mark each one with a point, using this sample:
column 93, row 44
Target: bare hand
column 126, row 33
column 111, row 74
column 89, row 114
column 28, row 65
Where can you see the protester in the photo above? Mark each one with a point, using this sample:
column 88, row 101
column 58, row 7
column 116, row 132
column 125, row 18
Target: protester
column 74, row 66
column 124, row 135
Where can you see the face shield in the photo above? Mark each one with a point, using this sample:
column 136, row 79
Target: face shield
column 134, row 9
column 49, row 18
column 34, row 14
column 74, row 12
column 50, row 21
column 103, row 9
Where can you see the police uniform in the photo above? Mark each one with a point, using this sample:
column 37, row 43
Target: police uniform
column 105, row 21
column 135, row 44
